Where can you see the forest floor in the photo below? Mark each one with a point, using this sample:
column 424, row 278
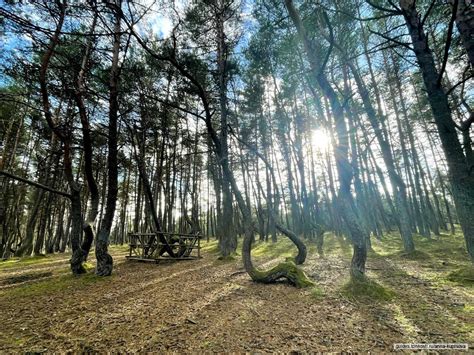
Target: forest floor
column 212, row 305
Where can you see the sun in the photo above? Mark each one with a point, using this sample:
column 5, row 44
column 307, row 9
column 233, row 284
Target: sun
column 320, row 140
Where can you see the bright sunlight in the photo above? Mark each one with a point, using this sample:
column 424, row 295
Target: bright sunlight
column 320, row 140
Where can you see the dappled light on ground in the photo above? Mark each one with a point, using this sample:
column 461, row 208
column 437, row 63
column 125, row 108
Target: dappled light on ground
column 212, row 305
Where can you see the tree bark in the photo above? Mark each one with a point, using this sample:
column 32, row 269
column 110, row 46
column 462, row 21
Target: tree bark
column 341, row 153
column 462, row 179
column 465, row 25
column 104, row 260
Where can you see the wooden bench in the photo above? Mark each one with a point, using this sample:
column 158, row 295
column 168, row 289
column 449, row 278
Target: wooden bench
column 163, row 246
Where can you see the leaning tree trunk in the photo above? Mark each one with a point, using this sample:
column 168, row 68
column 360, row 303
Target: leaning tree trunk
column 286, row 270
column 465, row 25
column 398, row 186
column 461, row 177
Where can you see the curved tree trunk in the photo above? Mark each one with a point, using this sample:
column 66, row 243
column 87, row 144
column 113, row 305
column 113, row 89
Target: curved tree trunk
column 104, row 260
column 80, row 255
column 273, row 215
column 346, row 204
column 75, row 196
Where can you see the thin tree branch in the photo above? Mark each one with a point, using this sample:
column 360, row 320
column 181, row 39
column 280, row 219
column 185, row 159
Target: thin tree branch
column 403, row 44
column 449, row 38
column 433, row 2
column 33, row 183
column 384, row 9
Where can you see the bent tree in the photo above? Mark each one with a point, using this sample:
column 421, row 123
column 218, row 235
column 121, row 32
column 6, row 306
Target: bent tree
column 104, row 259
column 346, row 204
column 65, row 136
column 288, row 270
column 304, row 124
column 79, row 96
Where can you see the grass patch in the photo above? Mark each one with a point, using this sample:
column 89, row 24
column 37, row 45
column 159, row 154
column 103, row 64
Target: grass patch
column 53, row 285
column 16, row 340
column 463, row 275
column 447, row 252
column 119, row 248
column 334, row 245
column 415, row 255
column 404, row 321
column 317, row 293
column 18, row 262
column 25, row 277
column 212, row 246
column 367, row 290
column 228, row 258
column 283, row 248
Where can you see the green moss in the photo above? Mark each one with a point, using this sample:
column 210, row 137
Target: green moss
column 88, row 266
column 288, row 270
column 366, row 289
column 52, row 285
column 463, row 275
